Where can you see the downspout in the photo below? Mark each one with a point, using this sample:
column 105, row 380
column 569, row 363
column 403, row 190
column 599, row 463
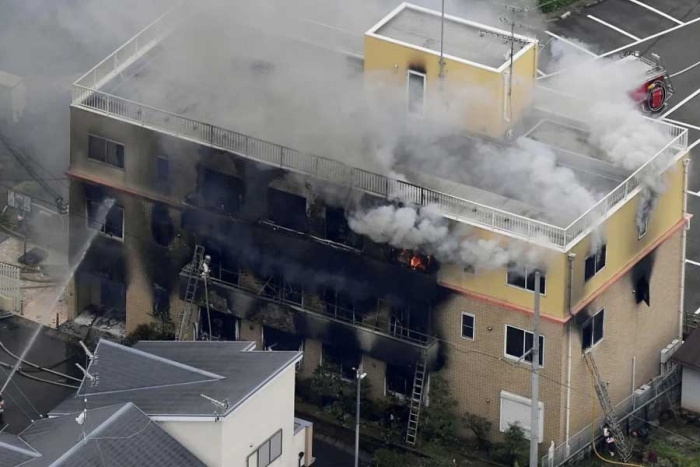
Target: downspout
column 684, row 235
column 569, row 299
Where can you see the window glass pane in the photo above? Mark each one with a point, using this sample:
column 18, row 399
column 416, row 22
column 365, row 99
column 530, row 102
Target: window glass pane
column 514, row 342
column 587, row 334
column 602, row 257
column 468, row 326
column 590, row 267
column 516, row 277
column 543, row 284
column 598, row 326
column 264, row 455
column 115, row 154
column 253, row 460
column 96, row 148
column 276, row 446
column 541, row 359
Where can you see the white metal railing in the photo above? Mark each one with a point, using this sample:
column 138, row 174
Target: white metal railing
column 86, row 94
column 10, row 286
column 625, row 409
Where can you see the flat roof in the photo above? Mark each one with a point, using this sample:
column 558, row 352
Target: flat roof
column 302, row 104
column 464, row 40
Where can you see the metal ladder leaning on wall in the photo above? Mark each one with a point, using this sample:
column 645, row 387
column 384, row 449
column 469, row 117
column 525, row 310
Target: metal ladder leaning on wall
column 191, row 292
column 416, row 401
column 621, row 442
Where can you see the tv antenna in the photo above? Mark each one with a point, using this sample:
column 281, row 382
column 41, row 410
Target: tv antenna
column 223, row 405
column 511, row 21
column 89, row 354
column 94, row 379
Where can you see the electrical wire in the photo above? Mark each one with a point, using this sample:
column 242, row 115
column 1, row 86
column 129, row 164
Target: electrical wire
column 19, row 407
column 47, row 370
column 21, row 392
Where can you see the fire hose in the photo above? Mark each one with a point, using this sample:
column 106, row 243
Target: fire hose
column 33, row 365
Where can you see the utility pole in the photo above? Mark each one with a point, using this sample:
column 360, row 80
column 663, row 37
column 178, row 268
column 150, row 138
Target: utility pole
column 442, row 41
column 359, row 375
column 535, row 403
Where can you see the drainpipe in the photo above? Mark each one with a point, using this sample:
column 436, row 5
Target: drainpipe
column 569, row 299
column 684, row 235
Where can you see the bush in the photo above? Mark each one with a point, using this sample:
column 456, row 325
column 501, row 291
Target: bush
column 480, row 427
column 515, row 448
column 389, row 458
column 439, row 422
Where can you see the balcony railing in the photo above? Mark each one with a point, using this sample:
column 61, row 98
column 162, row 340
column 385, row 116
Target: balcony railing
column 86, row 94
column 308, row 302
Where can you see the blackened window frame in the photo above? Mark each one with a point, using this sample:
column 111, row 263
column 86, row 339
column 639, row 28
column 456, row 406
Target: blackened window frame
column 592, row 328
column 595, row 262
column 102, row 230
column 514, row 276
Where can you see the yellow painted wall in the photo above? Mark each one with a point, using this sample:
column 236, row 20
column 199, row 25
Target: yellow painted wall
column 620, row 232
column 476, row 95
column 493, row 283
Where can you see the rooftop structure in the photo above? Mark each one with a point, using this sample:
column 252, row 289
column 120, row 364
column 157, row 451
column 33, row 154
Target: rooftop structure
column 140, row 81
column 168, row 378
column 473, row 43
column 117, row 435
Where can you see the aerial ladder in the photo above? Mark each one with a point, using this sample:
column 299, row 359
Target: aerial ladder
column 416, row 401
column 622, row 443
column 191, row 305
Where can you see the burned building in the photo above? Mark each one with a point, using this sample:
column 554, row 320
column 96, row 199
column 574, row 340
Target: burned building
column 217, row 175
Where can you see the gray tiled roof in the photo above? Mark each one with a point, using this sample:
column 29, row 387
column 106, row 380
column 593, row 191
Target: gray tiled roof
column 14, row 451
column 119, row 435
column 688, row 354
column 242, row 373
column 114, row 366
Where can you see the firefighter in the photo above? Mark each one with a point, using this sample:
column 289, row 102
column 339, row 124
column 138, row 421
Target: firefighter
column 609, row 440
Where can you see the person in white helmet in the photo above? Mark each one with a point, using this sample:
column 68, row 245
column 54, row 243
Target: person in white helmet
column 609, row 440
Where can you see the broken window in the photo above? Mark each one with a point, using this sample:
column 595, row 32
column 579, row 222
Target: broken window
column 399, row 379
column 642, row 227
column 413, row 259
column 104, row 150
column 161, row 302
column 595, row 262
column 162, row 227
column 416, row 93
column 108, row 221
column 410, row 321
column 272, row 287
column 286, row 209
column 338, row 304
column 221, row 192
column 519, row 344
column 274, row 339
column 342, row 360
column 338, row 230
column 224, row 264
column 525, row 278
column 592, row 330
column 641, row 290
column 292, row 293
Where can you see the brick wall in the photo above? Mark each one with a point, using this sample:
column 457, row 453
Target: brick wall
column 634, row 334
column 477, row 370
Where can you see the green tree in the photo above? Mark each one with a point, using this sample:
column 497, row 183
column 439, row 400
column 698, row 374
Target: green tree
column 479, row 426
column 515, row 448
column 439, row 421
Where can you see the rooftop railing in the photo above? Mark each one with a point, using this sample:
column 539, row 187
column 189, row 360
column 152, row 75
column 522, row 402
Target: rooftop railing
column 87, row 94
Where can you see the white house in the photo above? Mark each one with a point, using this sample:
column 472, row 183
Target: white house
column 688, row 356
column 225, row 402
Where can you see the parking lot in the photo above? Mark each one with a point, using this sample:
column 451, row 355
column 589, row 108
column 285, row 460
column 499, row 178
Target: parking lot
column 668, row 28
